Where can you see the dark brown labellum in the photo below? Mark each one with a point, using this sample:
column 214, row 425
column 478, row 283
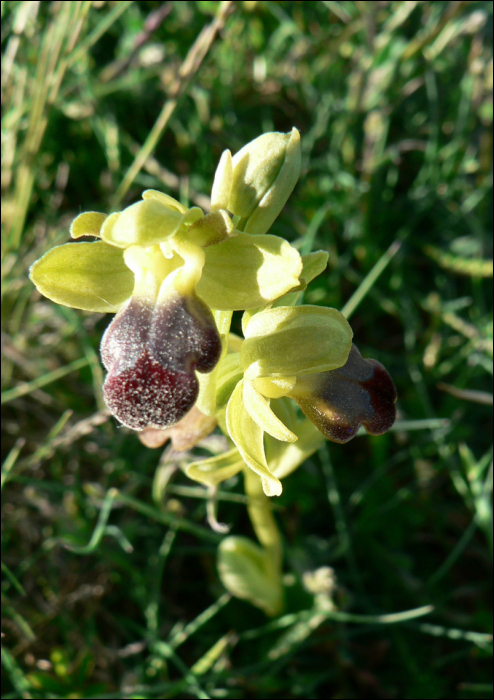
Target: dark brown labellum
column 340, row 401
column 151, row 354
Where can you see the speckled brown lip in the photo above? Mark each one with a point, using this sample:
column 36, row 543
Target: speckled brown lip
column 151, row 354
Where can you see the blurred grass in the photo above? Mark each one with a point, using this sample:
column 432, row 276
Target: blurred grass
column 394, row 104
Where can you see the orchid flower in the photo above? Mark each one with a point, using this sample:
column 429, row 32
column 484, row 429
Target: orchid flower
column 166, row 270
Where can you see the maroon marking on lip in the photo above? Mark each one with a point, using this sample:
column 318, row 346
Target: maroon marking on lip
column 382, row 392
column 148, row 394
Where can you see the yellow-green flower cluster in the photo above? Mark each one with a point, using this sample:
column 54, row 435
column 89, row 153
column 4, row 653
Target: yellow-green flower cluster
column 174, row 276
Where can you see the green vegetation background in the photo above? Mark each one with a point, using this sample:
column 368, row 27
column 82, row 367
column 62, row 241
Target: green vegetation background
column 394, row 104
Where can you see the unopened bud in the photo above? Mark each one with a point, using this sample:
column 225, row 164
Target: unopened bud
column 265, row 171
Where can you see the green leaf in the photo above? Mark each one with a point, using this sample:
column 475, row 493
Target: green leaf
column 214, row 470
column 247, row 271
column 246, row 572
column 248, row 437
column 291, row 341
column 89, row 276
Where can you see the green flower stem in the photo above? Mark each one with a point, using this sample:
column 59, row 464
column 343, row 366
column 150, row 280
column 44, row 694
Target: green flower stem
column 262, row 519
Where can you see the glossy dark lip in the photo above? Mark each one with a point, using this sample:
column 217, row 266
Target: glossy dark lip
column 340, row 401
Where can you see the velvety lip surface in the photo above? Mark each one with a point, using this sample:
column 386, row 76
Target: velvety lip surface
column 151, row 354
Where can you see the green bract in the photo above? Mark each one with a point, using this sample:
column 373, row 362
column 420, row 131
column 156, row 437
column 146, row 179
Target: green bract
column 246, row 571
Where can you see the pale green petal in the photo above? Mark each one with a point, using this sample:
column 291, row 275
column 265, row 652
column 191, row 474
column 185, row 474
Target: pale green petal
column 165, row 199
column 288, row 341
column 222, row 185
column 265, row 172
column 150, row 268
column 245, row 571
column 89, row 276
column 248, row 437
column 87, row 224
column 214, row 470
column 185, row 279
column 247, row 271
column 146, row 223
column 283, row 458
column 260, row 412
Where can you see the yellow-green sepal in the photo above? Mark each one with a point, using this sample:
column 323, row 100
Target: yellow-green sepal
column 246, row 572
column 214, row 470
column 165, row 199
column 88, row 276
column 248, row 437
column 248, row 271
column 230, row 372
column 312, row 266
column 291, row 341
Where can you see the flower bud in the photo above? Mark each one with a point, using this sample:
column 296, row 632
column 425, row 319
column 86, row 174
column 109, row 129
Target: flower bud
column 151, row 353
column 265, row 171
column 338, row 402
